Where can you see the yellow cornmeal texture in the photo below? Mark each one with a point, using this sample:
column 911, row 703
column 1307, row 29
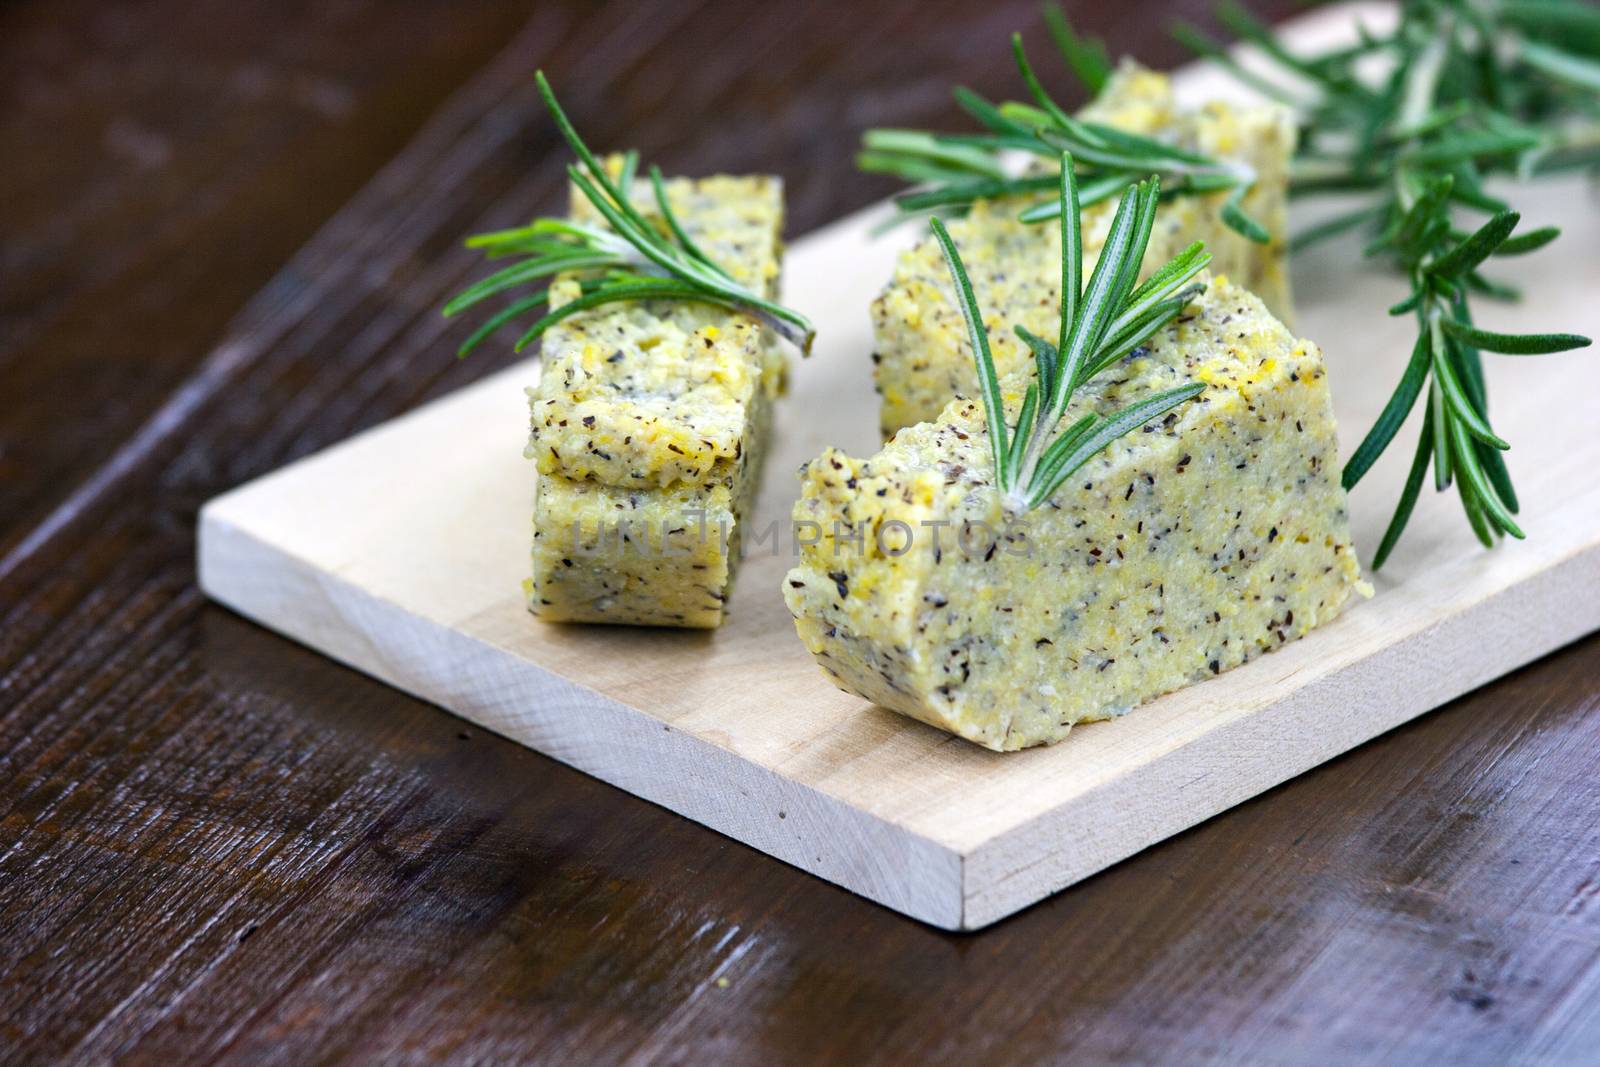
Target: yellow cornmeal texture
column 1186, row 548
column 649, row 424
column 920, row 345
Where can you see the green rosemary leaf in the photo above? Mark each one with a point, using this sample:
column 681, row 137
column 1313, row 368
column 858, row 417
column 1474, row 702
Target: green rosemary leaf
column 1060, row 466
column 1070, row 206
column 624, row 220
column 987, row 114
column 1475, row 517
column 906, row 168
column 1238, row 220
column 1442, row 470
column 1202, row 182
column 1025, row 418
column 1470, row 370
column 1467, row 361
column 628, row 172
column 1473, row 478
column 1408, row 494
column 1494, row 465
column 658, row 186
column 1553, row 17
column 988, row 381
column 1171, row 277
column 1000, row 142
column 1138, row 147
column 1045, row 355
column 1146, row 196
column 1531, row 241
column 570, row 134
column 964, row 193
column 1432, row 122
column 1054, row 457
column 929, row 148
column 1156, row 301
column 517, row 236
column 1091, row 192
column 1409, row 304
column 1466, row 255
column 1138, row 331
column 1463, row 412
column 1029, row 116
column 646, row 289
column 497, row 320
column 1031, row 80
column 1472, row 145
column 526, row 271
column 1392, row 417
column 1086, row 56
column 1093, row 317
column 1515, row 344
column 1107, row 147
column 1426, row 211
column 1576, row 71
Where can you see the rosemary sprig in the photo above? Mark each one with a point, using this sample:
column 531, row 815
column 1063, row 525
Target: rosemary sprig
column 631, row 258
column 1413, row 122
column 1100, row 323
column 950, row 171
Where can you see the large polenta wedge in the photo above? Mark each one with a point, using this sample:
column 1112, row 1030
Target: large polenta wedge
column 1184, row 549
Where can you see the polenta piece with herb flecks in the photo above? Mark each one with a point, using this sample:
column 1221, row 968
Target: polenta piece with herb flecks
column 1189, row 546
column 660, row 366
column 919, row 359
column 649, row 425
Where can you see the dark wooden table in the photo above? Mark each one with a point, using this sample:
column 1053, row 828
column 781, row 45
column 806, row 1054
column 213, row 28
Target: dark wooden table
column 216, row 844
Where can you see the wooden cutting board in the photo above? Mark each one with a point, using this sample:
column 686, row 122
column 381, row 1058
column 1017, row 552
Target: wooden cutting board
column 401, row 553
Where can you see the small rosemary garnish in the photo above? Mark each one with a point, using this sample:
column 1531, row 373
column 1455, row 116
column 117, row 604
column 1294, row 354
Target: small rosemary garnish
column 1100, row 323
column 952, row 170
column 1412, row 122
column 631, row 259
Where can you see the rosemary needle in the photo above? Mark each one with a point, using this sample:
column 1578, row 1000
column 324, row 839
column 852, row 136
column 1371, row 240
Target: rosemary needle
column 630, row 258
column 950, row 171
column 1101, row 321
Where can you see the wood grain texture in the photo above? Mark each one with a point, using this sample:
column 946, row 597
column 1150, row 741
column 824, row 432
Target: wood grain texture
column 214, row 844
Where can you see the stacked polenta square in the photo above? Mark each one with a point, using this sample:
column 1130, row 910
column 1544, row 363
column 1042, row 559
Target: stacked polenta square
column 649, row 425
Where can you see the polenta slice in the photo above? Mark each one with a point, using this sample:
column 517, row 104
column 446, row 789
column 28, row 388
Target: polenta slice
column 1187, row 547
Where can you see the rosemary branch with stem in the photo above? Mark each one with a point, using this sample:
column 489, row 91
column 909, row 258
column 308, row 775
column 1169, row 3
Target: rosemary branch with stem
column 951, row 170
column 1101, row 321
column 1411, row 123
column 630, row 258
